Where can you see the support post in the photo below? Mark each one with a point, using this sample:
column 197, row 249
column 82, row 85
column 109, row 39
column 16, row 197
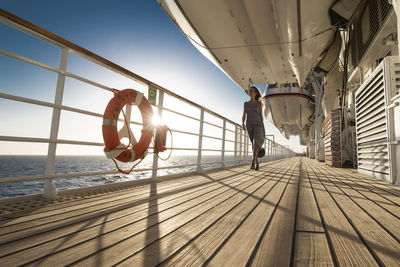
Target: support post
column 223, row 144
column 159, row 113
column 235, row 146
column 49, row 189
column 319, row 116
column 247, row 145
column 269, row 149
column 240, row 145
column 199, row 168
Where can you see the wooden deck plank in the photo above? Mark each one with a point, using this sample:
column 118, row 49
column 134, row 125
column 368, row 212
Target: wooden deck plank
column 311, row 244
column 85, row 197
column 123, row 241
column 111, row 232
column 63, row 219
column 73, row 216
column 312, row 249
column 202, row 215
column 385, row 186
column 202, row 246
column 377, row 194
column 169, row 244
column 374, row 209
column 308, row 218
column 232, row 216
column 46, row 211
column 348, row 248
column 275, row 245
column 135, row 211
column 384, row 190
column 383, row 246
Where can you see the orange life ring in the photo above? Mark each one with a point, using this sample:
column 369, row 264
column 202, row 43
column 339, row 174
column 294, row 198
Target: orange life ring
column 113, row 147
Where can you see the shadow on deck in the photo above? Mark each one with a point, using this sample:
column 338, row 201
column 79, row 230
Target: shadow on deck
column 293, row 211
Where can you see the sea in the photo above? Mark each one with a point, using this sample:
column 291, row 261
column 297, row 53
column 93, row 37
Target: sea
column 21, row 166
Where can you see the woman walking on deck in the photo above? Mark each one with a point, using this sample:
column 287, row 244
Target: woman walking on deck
column 252, row 114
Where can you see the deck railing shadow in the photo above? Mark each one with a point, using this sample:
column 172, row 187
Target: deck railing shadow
column 153, row 232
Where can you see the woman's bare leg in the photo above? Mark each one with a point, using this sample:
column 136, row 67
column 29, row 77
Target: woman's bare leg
column 255, row 156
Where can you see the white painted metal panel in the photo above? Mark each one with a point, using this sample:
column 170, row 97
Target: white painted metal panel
column 376, row 124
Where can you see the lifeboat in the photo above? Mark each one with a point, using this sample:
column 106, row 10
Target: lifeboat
column 290, row 108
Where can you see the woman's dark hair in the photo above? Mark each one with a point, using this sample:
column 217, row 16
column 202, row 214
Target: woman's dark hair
column 258, row 93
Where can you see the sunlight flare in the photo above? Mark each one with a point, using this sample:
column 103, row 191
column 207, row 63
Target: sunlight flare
column 156, row 120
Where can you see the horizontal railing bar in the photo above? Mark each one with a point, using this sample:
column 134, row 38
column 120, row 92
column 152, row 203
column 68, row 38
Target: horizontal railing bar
column 184, row 132
column 77, row 77
column 218, row 162
column 48, row 104
column 73, row 142
column 178, row 113
column 184, row 148
column 51, row 68
column 212, row 124
column 196, row 149
column 53, row 176
column 214, row 150
column 47, row 140
column 75, row 175
column 212, row 137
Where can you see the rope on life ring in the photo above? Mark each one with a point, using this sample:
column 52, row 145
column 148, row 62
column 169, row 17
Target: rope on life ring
column 114, row 149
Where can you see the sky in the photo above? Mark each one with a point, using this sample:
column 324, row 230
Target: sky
column 137, row 35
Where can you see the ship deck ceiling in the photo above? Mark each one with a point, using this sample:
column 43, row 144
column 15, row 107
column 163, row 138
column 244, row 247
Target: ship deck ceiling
column 293, row 211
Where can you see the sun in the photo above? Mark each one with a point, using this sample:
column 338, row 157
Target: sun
column 156, row 120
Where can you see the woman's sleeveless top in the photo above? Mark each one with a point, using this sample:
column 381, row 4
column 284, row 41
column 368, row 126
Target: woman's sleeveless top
column 253, row 113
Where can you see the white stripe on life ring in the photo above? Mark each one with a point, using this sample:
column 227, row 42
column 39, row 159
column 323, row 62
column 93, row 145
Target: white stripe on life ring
column 110, row 122
column 133, row 155
column 138, row 99
column 115, row 152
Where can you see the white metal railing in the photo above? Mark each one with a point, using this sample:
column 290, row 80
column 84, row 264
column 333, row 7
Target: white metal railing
column 241, row 144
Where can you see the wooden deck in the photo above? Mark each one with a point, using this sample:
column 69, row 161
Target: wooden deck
column 293, row 211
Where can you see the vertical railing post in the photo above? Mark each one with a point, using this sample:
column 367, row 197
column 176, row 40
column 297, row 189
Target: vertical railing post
column 246, row 146
column 269, row 148
column 159, row 113
column 235, row 146
column 49, row 189
column 223, row 144
column 274, row 149
column 265, row 146
column 200, row 140
column 240, row 144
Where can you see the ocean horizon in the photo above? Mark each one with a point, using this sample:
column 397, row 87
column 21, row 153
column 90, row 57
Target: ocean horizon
column 21, row 166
